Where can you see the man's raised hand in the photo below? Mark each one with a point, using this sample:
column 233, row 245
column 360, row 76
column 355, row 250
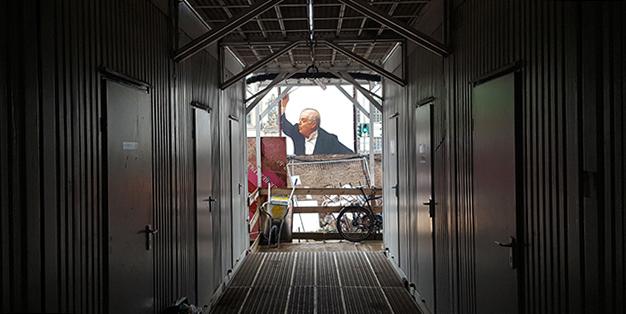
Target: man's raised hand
column 283, row 103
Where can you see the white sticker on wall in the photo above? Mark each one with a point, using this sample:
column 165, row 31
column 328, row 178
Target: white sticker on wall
column 130, row 145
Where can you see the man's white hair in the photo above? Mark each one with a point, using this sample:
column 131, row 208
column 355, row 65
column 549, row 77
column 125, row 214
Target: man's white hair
column 317, row 118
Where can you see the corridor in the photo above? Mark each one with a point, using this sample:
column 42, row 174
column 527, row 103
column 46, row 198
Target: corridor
column 316, row 282
column 152, row 150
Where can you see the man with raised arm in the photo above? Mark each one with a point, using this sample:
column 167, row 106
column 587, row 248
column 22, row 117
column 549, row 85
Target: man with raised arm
column 307, row 136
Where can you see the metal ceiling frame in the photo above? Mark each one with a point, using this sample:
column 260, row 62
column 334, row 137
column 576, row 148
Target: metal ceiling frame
column 352, row 99
column 321, row 18
column 275, row 102
column 408, row 32
column 260, row 64
column 316, row 5
column 279, row 78
column 260, row 92
column 252, row 12
column 342, row 39
column 285, row 49
column 216, row 34
column 252, row 40
column 376, row 68
column 346, row 76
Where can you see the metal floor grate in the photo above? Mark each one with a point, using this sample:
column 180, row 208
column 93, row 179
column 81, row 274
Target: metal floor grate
column 316, row 282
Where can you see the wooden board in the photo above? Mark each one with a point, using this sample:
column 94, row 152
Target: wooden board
column 326, row 209
column 323, row 191
column 328, row 236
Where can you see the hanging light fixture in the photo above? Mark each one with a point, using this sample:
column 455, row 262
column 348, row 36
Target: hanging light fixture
column 312, row 70
column 310, row 18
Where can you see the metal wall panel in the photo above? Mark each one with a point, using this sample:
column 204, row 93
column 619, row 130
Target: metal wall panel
column 613, row 141
column 394, row 100
column 535, row 33
column 571, row 59
column 51, row 226
column 424, row 73
column 194, row 76
column 233, row 235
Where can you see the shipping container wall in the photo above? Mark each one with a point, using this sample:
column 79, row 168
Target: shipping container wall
column 52, row 226
column 570, row 58
column 425, row 77
column 232, row 195
column 197, row 81
column 394, row 99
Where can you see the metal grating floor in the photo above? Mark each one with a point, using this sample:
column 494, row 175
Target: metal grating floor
column 316, row 283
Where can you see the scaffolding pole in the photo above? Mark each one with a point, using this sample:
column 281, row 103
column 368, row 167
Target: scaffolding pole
column 259, row 174
column 371, row 136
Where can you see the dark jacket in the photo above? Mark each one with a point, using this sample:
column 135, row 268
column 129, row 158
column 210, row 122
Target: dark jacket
column 326, row 143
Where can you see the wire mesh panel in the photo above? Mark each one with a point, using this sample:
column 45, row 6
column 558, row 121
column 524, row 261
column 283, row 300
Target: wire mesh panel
column 330, row 173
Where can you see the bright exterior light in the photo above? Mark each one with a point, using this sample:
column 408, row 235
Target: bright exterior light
column 311, row 19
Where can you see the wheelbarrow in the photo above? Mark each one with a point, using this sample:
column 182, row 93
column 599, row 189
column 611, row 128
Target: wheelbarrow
column 276, row 210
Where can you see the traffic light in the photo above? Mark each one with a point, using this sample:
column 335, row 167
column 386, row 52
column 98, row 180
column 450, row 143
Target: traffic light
column 362, row 129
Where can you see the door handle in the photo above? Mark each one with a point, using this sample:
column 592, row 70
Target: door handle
column 512, row 245
column 149, row 233
column 395, row 188
column 210, row 200
column 431, row 207
column 500, row 244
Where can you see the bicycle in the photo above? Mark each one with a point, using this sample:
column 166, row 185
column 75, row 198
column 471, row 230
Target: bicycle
column 357, row 222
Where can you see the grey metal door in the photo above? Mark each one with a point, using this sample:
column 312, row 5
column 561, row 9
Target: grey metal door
column 424, row 250
column 206, row 236
column 392, row 217
column 129, row 199
column 495, row 201
column 238, row 221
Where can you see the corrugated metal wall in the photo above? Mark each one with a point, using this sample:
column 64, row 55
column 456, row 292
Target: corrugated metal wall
column 573, row 79
column 425, row 75
column 393, row 98
column 612, row 137
column 232, row 113
column 192, row 79
column 51, row 223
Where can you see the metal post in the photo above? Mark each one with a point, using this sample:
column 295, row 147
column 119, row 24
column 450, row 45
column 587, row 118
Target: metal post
column 259, row 173
column 371, row 137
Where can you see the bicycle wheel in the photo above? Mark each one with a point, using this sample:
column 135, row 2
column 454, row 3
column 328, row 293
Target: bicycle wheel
column 354, row 223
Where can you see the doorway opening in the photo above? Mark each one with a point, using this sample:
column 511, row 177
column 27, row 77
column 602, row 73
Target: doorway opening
column 320, row 151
